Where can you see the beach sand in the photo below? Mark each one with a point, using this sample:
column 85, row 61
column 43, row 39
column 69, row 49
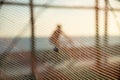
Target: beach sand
column 68, row 64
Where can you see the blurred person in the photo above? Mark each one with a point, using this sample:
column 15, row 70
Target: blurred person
column 55, row 37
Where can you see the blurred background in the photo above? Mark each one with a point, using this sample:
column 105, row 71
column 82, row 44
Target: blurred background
column 27, row 54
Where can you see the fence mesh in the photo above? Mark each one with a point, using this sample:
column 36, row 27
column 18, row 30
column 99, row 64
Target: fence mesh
column 72, row 41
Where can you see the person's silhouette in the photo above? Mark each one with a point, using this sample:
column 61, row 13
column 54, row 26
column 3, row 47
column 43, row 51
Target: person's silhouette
column 54, row 38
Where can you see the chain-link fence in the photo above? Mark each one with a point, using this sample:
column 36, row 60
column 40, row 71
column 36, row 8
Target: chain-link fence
column 59, row 40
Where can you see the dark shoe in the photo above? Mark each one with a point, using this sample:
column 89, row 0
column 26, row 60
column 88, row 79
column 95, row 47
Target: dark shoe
column 56, row 49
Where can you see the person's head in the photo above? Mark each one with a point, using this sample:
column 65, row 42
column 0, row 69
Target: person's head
column 58, row 26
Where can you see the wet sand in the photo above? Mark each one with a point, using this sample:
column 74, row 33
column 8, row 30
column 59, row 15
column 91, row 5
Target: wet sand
column 53, row 65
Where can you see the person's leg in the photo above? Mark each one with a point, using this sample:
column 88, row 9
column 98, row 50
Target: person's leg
column 56, row 46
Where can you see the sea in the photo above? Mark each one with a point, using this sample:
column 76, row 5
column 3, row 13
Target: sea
column 43, row 43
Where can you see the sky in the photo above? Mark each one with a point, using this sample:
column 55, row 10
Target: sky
column 75, row 22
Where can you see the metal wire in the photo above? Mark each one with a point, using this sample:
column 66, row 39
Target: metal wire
column 115, row 16
column 74, row 56
column 16, row 40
